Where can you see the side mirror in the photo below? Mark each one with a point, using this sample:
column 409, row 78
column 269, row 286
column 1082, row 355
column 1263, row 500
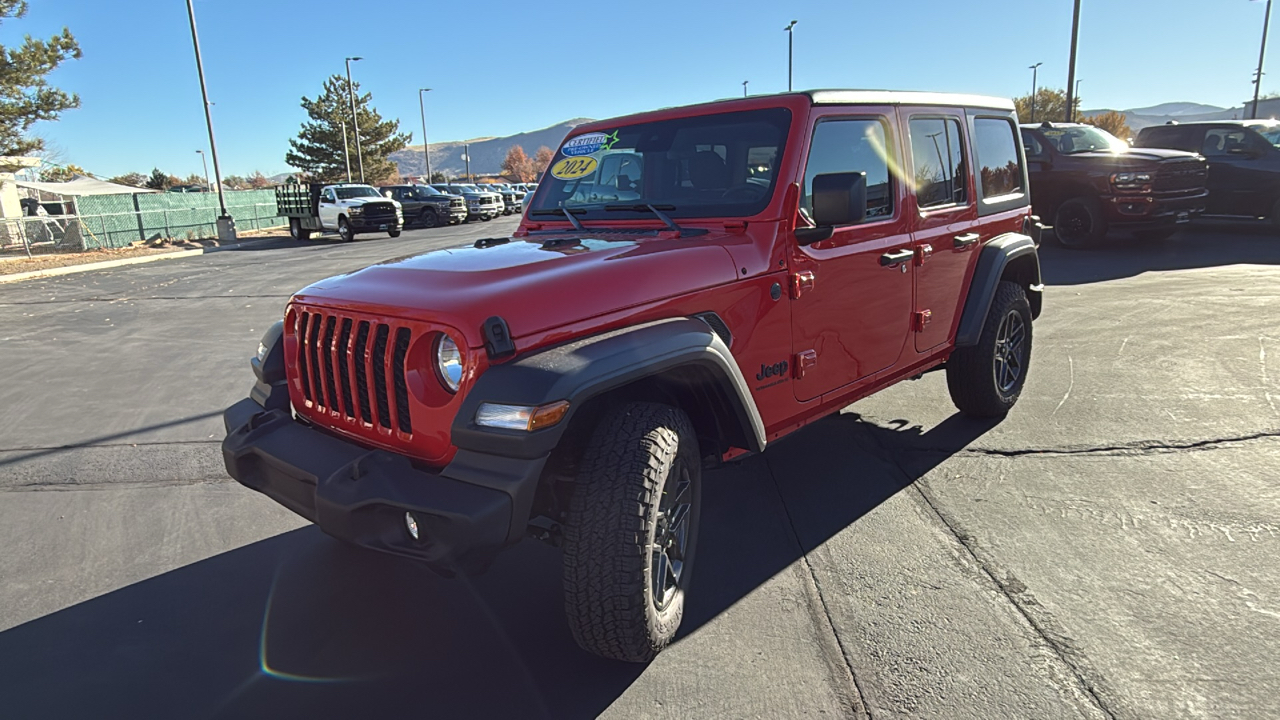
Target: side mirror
column 838, row 199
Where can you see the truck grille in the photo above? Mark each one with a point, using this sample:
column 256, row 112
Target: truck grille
column 457, row 203
column 338, row 357
column 1180, row 175
column 379, row 210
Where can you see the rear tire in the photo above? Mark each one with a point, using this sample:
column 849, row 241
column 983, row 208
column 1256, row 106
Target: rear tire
column 1079, row 223
column 985, row 380
column 631, row 532
column 296, row 231
column 394, row 233
column 344, row 230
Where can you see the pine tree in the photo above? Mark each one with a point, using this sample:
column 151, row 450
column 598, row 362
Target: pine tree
column 317, row 150
column 25, row 95
column 159, row 180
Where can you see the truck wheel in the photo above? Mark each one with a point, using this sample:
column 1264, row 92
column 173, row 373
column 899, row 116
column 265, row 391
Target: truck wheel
column 631, row 532
column 344, row 230
column 1079, row 222
column 296, row 231
column 394, row 233
column 428, row 218
column 986, row 379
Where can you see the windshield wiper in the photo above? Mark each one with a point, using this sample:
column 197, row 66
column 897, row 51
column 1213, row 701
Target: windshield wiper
column 577, row 225
column 643, row 207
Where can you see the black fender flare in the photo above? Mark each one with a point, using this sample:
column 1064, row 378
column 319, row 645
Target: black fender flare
column 1010, row 251
column 586, row 368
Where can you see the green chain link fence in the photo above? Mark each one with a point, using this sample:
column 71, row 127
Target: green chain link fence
column 113, row 221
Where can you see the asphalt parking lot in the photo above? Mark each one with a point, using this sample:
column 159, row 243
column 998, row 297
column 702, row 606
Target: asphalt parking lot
column 1108, row 550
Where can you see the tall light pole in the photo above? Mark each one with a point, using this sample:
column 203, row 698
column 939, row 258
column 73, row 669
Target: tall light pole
column 466, row 156
column 355, row 121
column 206, row 168
column 346, row 152
column 426, row 149
column 1071, row 65
column 1262, row 54
column 226, row 225
column 1035, row 70
column 791, row 37
column 744, row 87
column 1072, row 113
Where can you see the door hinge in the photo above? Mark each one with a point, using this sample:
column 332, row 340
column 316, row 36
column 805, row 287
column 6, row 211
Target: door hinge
column 804, row 361
column 800, row 283
column 923, row 252
column 922, row 318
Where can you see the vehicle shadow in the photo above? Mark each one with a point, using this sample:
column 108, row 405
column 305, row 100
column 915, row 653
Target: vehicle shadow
column 1204, row 244
column 300, row 625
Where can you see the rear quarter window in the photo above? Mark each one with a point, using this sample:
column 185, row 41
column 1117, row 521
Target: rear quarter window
column 998, row 160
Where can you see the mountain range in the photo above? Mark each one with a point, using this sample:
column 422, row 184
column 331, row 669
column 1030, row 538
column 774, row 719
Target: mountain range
column 487, row 154
column 1138, row 118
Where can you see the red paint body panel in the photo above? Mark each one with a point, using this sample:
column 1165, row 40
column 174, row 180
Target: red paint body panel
column 856, row 316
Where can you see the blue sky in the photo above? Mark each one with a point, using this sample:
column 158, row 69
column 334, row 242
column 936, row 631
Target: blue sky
column 505, row 67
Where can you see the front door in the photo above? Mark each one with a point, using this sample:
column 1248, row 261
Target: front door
column 852, row 307
column 328, row 209
column 945, row 214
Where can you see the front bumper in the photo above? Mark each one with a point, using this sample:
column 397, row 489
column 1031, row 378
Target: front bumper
column 1138, row 211
column 359, row 223
column 465, row 512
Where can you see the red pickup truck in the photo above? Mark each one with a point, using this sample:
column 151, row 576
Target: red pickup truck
column 688, row 286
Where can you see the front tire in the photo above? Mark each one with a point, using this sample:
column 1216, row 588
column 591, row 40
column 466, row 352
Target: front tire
column 344, row 230
column 428, row 218
column 631, row 532
column 985, row 380
column 1079, row 223
column 394, row 233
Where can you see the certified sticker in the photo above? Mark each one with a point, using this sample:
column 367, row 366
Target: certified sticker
column 584, row 144
column 572, row 168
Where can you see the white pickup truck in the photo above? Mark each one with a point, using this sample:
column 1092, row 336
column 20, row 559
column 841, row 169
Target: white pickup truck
column 343, row 208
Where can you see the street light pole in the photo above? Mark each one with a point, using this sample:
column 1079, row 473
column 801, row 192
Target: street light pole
column 1035, row 70
column 1262, row 54
column 744, row 87
column 466, row 156
column 426, row 149
column 226, row 225
column 355, row 121
column 346, row 152
column 1071, row 65
column 1077, row 99
column 206, row 168
column 791, row 37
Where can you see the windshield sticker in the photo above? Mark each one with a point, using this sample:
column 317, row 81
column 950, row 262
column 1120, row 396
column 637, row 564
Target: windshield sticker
column 584, row 144
column 572, row 168
column 1053, row 133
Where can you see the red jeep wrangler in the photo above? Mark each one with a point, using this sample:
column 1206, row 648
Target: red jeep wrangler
column 688, row 286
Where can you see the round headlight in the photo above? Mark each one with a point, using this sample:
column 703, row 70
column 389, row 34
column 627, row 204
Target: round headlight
column 448, row 362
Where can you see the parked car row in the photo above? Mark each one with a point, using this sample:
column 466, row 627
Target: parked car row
column 1086, row 182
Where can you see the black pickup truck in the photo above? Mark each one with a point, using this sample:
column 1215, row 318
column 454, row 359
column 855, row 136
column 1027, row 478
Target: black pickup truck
column 425, row 206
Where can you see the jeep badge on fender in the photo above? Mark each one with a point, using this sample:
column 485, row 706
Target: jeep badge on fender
column 572, row 382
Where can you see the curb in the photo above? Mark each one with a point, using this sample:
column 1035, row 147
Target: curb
column 106, row 264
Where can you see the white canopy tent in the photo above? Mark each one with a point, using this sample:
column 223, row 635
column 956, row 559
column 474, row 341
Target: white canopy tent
column 80, row 186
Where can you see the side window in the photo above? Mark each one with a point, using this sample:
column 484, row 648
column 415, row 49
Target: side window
column 621, row 171
column 852, row 146
column 1228, row 141
column 1034, row 147
column 328, row 196
column 999, row 168
column 937, row 151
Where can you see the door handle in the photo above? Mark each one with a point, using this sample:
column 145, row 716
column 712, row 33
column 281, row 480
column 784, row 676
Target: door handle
column 896, row 257
column 966, row 240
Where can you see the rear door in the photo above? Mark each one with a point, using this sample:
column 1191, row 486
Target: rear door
column 852, row 309
column 943, row 217
column 1243, row 168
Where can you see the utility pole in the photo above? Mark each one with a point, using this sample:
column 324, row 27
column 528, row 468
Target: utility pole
column 355, row 121
column 744, row 87
column 426, row 149
column 1035, row 87
column 346, row 153
column 1073, row 110
column 206, row 168
column 1071, row 66
column 466, row 157
column 791, row 37
column 1262, row 54
column 226, row 224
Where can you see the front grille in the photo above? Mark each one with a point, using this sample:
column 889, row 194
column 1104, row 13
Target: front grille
column 1180, row 175
column 336, row 361
column 457, row 203
column 379, row 210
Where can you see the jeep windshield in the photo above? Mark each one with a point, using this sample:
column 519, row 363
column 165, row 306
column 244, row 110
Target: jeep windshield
column 347, row 193
column 1072, row 140
column 691, row 167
